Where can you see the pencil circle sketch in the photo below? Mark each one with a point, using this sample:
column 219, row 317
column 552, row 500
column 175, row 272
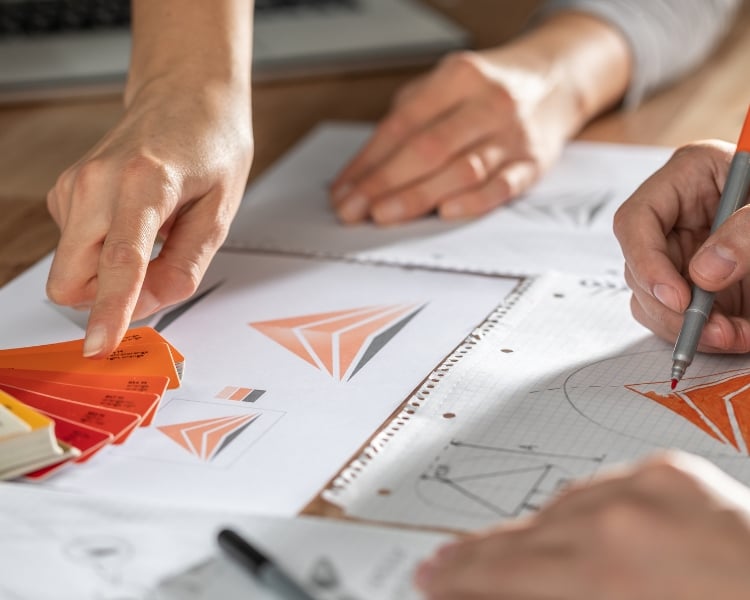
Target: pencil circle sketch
column 708, row 413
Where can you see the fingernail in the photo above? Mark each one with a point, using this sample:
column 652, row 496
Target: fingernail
column 667, row 295
column 388, row 212
column 96, row 337
column 451, row 210
column 353, row 209
column 424, row 573
column 147, row 304
column 714, row 263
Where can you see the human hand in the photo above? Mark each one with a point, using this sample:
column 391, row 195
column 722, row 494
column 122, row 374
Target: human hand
column 175, row 165
column 663, row 229
column 481, row 127
column 467, row 137
column 672, row 527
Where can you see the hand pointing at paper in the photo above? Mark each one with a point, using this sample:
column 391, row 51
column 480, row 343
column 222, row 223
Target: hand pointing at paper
column 175, row 166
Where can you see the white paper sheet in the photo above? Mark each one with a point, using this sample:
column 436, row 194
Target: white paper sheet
column 560, row 384
column 302, row 422
column 563, row 223
column 57, row 546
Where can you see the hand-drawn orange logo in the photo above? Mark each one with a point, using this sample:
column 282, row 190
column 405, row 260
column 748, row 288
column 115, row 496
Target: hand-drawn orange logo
column 340, row 342
column 719, row 407
column 208, row 437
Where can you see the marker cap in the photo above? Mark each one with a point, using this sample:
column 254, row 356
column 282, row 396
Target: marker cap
column 744, row 144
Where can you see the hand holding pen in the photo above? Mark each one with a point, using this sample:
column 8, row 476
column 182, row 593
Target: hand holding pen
column 673, row 235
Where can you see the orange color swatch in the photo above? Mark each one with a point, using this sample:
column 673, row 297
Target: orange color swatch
column 143, row 404
column 146, row 359
column 117, row 422
column 93, row 402
column 152, row 384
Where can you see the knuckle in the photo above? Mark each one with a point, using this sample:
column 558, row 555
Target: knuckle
column 430, row 147
column 377, row 183
column 618, row 520
column 419, row 200
column 123, row 253
column 64, row 182
column 180, row 278
column 149, row 169
column 620, row 220
column 464, row 67
column 86, row 178
column 61, row 291
column 397, row 125
column 663, row 472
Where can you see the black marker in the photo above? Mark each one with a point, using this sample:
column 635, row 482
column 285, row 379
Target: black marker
column 261, row 566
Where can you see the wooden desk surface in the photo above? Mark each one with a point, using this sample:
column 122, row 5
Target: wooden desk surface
column 38, row 141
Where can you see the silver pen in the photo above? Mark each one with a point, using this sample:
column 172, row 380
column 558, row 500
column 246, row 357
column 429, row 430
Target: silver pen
column 733, row 196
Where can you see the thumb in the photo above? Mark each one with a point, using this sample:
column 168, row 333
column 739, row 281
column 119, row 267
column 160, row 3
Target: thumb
column 724, row 258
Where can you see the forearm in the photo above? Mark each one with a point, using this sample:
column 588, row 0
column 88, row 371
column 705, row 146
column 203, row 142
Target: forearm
column 193, row 42
column 584, row 62
column 667, row 38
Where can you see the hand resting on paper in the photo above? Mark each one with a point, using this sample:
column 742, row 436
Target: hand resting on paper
column 663, row 229
column 482, row 126
column 674, row 527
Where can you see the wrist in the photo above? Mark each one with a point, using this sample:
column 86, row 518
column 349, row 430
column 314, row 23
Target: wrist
column 584, row 62
column 186, row 44
column 174, row 84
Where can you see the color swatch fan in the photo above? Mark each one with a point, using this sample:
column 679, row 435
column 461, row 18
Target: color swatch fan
column 57, row 407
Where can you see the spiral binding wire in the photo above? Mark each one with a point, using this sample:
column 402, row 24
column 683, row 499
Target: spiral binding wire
column 411, row 406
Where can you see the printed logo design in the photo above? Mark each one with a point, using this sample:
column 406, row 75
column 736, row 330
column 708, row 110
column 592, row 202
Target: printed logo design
column 342, row 342
column 241, row 394
column 208, row 437
column 719, row 407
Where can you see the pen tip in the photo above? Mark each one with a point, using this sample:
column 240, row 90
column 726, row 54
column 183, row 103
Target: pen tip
column 674, row 383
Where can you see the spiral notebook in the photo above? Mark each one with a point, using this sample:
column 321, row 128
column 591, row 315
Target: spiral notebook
column 559, row 383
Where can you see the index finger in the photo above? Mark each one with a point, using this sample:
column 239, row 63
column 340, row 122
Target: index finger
column 123, row 261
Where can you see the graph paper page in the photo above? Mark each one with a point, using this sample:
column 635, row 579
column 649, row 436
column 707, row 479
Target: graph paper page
column 560, row 383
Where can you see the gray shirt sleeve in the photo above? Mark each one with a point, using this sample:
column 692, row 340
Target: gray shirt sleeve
column 667, row 37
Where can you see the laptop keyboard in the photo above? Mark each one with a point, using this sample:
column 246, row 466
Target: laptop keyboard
column 38, row 17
